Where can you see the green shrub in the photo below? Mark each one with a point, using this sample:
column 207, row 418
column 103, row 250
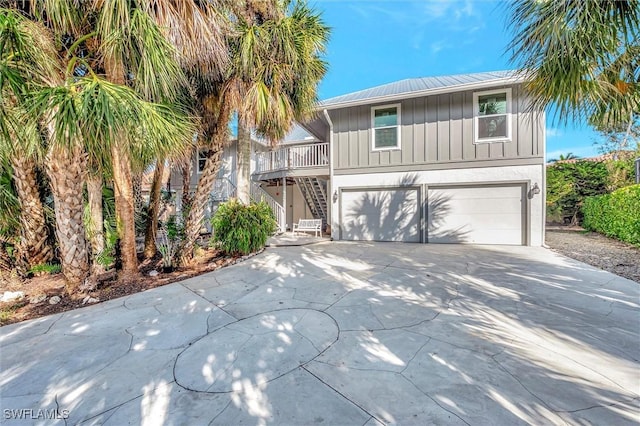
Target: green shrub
column 240, row 229
column 568, row 184
column 45, row 268
column 171, row 235
column 616, row 215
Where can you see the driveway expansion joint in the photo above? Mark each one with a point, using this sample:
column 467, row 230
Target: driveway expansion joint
column 517, row 379
column 341, row 394
column 439, row 405
column 613, row 404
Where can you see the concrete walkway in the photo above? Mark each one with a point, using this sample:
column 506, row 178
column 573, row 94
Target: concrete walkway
column 287, row 239
column 343, row 333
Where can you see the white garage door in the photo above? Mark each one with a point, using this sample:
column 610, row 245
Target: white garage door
column 488, row 214
column 380, row 215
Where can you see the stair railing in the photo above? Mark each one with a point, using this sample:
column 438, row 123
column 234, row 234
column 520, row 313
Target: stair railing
column 258, row 194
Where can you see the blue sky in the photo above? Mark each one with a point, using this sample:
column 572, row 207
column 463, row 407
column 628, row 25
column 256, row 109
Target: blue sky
column 374, row 42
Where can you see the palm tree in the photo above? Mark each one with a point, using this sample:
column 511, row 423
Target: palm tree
column 581, row 55
column 95, row 116
column 563, row 157
column 271, row 81
column 22, row 51
column 123, row 41
column 10, row 217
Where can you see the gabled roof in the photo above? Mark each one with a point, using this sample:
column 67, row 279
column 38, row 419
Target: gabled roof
column 415, row 87
column 298, row 135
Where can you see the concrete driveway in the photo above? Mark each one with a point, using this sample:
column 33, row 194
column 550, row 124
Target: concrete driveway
column 343, row 333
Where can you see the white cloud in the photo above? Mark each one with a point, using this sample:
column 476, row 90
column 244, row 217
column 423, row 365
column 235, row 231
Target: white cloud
column 439, row 45
column 418, row 16
column 554, row 133
column 465, row 10
column 437, row 8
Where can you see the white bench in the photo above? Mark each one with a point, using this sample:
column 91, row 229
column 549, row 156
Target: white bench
column 313, row 225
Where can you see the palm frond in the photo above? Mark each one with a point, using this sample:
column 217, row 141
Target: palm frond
column 99, row 114
column 277, row 65
column 9, row 205
column 198, row 30
column 63, row 16
column 577, row 54
column 156, row 72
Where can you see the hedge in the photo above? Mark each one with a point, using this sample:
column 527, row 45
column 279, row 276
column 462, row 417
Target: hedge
column 568, row 184
column 616, row 215
column 240, row 229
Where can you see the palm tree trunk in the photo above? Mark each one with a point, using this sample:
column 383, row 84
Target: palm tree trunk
column 5, row 260
column 34, row 247
column 193, row 222
column 96, row 225
column 186, row 184
column 125, row 213
column 244, row 162
column 66, row 170
column 123, row 188
column 152, row 213
column 138, row 200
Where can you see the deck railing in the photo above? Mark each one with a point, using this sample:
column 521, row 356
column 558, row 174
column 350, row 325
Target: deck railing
column 293, row 157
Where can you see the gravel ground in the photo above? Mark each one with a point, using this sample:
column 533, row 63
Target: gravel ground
column 597, row 250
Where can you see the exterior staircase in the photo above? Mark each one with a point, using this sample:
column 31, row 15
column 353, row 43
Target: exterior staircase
column 314, row 191
column 224, row 189
column 258, row 194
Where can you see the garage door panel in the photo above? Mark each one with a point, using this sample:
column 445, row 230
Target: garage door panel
column 380, row 215
column 476, row 214
column 482, row 207
column 489, row 221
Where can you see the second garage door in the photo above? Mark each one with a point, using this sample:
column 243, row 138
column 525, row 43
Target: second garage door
column 487, row 214
column 389, row 214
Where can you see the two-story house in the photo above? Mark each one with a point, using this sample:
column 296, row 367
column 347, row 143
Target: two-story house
column 455, row 159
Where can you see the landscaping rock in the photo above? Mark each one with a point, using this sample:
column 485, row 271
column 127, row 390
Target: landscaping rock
column 89, row 299
column 55, row 300
column 10, row 296
column 38, row 298
column 153, row 273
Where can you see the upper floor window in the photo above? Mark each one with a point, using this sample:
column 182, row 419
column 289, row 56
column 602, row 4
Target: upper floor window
column 492, row 116
column 385, row 127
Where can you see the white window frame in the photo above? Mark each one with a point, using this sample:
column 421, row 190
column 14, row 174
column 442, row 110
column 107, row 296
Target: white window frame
column 476, row 116
column 397, row 125
column 198, row 158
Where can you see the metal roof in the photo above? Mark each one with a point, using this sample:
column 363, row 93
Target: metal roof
column 298, row 135
column 415, row 87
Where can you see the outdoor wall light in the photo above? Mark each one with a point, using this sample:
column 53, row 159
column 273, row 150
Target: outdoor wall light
column 335, row 195
column 535, row 189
